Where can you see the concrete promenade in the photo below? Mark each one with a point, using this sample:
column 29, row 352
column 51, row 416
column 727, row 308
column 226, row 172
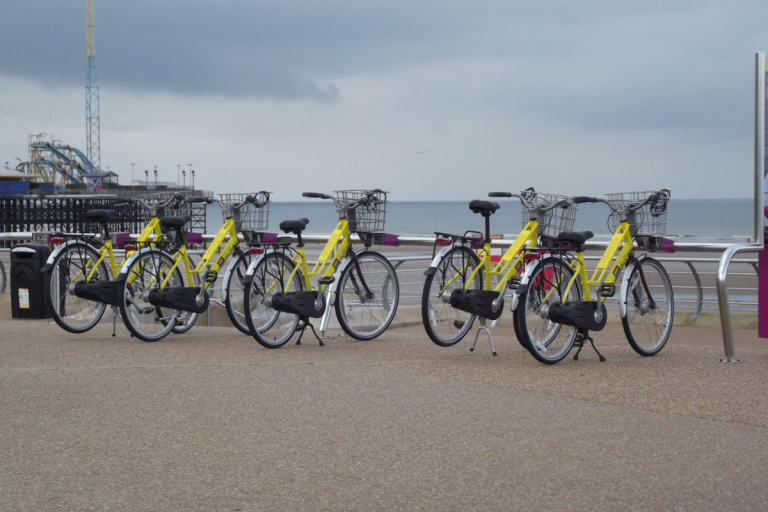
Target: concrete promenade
column 212, row 421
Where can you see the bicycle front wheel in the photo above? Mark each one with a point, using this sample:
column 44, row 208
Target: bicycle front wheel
column 147, row 273
column 444, row 324
column 271, row 328
column 234, row 293
column 367, row 296
column 547, row 341
column 650, row 308
column 74, row 265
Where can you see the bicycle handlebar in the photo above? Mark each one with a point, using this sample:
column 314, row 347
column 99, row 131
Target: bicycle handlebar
column 367, row 200
column 627, row 208
column 530, row 204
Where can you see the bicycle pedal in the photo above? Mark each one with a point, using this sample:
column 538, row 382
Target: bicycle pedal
column 211, row 276
column 607, row 290
column 458, row 324
column 326, row 280
column 513, row 283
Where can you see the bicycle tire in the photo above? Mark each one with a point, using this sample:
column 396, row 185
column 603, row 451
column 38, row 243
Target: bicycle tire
column 362, row 315
column 144, row 320
column 543, row 338
column 445, row 325
column 234, row 293
column 648, row 327
column 269, row 327
column 72, row 313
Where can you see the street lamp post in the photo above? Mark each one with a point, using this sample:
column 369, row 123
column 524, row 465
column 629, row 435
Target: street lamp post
column 193, row 179
column 155, row 177
column 184, row 173
column 146, row 179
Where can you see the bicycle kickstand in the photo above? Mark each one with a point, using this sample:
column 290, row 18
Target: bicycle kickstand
column 581, row 337
column 303, row 327
column 487, row 331
column 115, row 314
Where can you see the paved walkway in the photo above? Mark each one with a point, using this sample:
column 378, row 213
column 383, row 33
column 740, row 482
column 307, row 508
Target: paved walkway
column 212, row 421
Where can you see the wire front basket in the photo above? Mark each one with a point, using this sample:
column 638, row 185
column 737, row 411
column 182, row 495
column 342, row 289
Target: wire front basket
column 556, row 220
column 370, row 216
column 651, row 219
column 196, row 211
column 248, row 217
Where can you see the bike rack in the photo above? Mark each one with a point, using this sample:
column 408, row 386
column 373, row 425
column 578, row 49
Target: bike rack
column 759, row 239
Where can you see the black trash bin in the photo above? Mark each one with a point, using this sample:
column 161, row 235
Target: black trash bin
column 28, row 284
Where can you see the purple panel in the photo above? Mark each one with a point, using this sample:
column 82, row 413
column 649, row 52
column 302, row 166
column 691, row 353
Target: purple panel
column 667, row 245
column 392, row 240
column 194, row 238
column 762, row 294
column 122, row 238
column 269, row 238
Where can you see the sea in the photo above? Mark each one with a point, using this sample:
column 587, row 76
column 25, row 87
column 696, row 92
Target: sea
column 705, row 220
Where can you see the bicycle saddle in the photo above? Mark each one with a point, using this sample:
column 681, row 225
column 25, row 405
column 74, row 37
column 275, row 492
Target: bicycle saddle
column 485, row 208
column 294, row 226
column 174, row 222
column 575, row 237
column 99, row 215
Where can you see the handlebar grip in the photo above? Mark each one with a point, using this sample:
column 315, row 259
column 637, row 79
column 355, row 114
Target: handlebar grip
column 316, row 195
column 499, row 194
column 198, row 199
column 584, row 199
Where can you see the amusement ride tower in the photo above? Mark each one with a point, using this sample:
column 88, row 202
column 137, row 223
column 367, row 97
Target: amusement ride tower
column 92, row 130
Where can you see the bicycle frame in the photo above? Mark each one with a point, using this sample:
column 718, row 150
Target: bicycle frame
column 615, row 256
column 210, row 263
column 508, row 266
column 150, row 232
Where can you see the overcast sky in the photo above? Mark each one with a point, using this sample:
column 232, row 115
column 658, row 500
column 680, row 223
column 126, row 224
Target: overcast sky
column 572, row 97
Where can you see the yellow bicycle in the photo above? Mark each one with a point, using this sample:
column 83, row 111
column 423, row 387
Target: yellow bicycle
column 82, row 271
column 155, row 300
column 361, row 284
column 556, row 309
column 460, row 285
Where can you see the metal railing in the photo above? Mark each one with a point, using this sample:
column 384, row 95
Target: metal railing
column 694, row 278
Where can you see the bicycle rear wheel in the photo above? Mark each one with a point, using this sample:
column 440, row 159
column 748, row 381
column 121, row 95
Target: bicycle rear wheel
column 73, row 265
column 144, row 320
column 444, row 324
column 650, row 310
column 547, row 341
column 366, row 300
column 271, row 328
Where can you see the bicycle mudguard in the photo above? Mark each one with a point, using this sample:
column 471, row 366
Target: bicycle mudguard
column 437, row 259
column 59, row 249
column 330, row 290
column 625, row 286
column 129, row 261
column 231, row 268
column 523, row 286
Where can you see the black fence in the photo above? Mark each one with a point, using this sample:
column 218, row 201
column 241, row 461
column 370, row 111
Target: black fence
column 67, row 214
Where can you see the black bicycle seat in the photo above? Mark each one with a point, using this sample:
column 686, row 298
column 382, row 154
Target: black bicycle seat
column 485, row 208
column 99, row 215
column 294, row 226
column 174, row 222
column 575, row 237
